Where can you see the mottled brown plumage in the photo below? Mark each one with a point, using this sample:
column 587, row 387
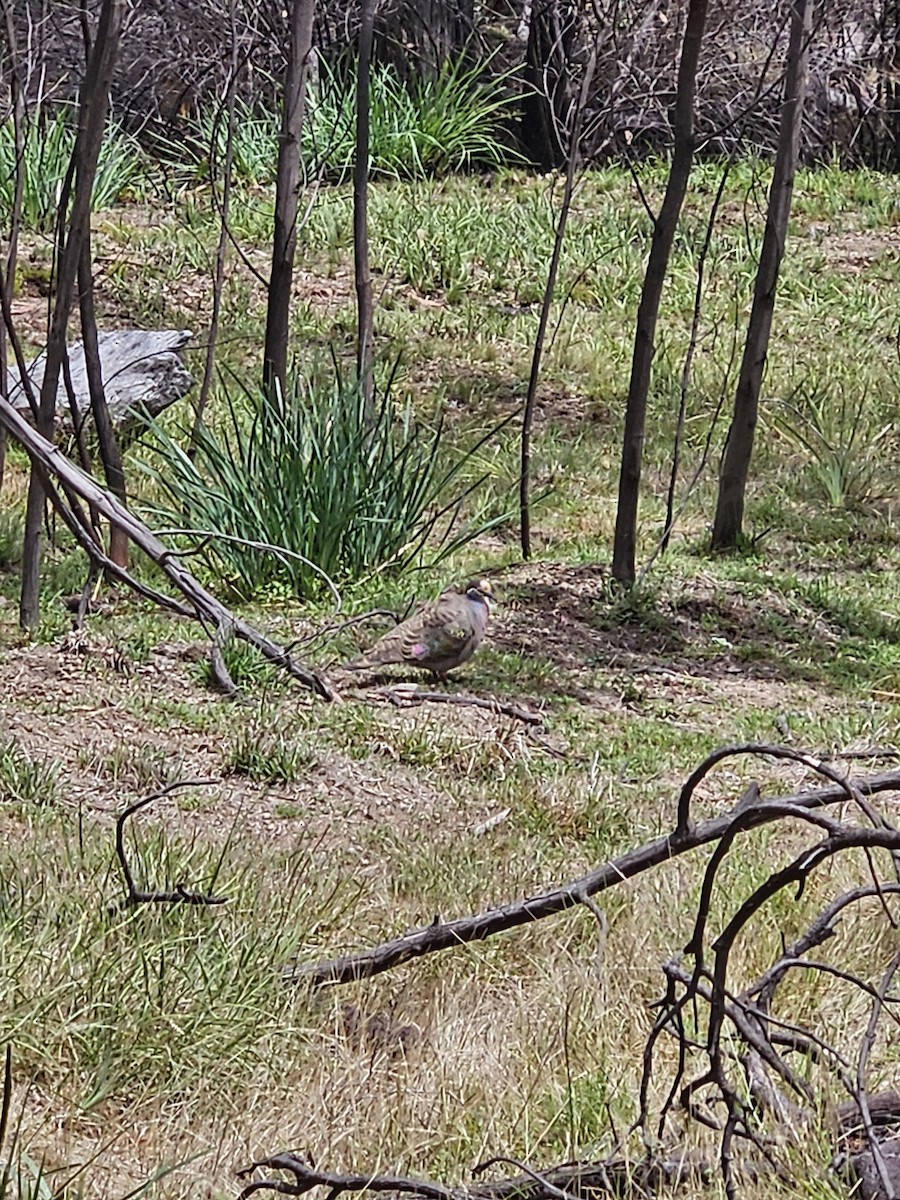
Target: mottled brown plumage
column 439, row 637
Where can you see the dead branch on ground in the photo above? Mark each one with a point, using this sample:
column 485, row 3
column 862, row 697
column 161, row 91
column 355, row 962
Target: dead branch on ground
column 574, row 1179
column 411, row 696
column 181, row 893
column 477, row 927
column 756, row 1078
column 307, row 1177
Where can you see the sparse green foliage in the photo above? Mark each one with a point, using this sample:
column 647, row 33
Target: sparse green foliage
column 268, row 756
column 26, row 778
column 139, row 767
column 245, row 666
column 200, row 150
column 431, row 125
column 339, row 825
column 843, row 434
column 12, row 525
column 310, row 475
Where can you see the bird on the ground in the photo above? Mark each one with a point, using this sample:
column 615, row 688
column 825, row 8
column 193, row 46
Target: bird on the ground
column 442, row 635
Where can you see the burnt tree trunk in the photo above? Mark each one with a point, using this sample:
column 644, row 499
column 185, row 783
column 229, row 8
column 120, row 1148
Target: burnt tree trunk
column 551, row 27
column 729, row 518
column 625, row 540
column 287, row 195
column 92, row 112
column 424, row 34
column 17, row 104
column 110, row 451
column 362, row 270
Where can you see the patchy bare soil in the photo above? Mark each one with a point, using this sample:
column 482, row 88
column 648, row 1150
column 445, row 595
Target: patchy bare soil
column 118, row 727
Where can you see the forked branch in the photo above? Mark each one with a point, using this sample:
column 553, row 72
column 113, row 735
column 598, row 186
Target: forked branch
column 685, row 837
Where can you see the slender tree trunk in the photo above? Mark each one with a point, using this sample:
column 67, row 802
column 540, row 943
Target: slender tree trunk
column 92, row 111
column 728, row 524
column 222, row 246
column 546, row 305
column 17, row 102
column 110, row 452
column 362, row 271
column 648, row 310
column 287, row 195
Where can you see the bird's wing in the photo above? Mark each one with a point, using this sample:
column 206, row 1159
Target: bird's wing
column 437, row 631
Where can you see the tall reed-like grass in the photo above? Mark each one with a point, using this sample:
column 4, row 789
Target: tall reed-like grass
column 430, row 125
column 433, row 124
column 312, row 474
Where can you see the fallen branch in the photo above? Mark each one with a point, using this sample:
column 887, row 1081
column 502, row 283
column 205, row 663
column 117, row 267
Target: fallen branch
column 306, row 1178
column 181, row 894
column 54, row 465
column 412, row 697
column 434, row 938
column 616, row 1177
column 735, row 1072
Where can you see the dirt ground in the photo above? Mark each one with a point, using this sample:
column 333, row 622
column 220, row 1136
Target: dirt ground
column 80, row 699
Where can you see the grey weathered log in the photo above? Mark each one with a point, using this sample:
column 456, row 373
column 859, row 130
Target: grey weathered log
column 143, row 374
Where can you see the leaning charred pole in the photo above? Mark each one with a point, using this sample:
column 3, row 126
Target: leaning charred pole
column 66, row 484
column 92, row 112
column 729, row 518
column 625, row 539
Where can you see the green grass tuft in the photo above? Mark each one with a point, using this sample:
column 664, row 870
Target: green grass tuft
column 26, row 778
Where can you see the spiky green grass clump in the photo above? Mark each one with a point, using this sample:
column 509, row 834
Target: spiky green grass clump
column 315, row 486
column 49, row 138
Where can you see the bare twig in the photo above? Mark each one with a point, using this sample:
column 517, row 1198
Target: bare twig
column 548, row 1188
column 218, row 668
column 215, row 535
column 546, row 304
column 819, row 931
column 181, row 894
column 406, row 698
column 615, row 1177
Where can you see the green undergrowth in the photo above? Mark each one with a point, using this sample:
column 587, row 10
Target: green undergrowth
column 460, row 265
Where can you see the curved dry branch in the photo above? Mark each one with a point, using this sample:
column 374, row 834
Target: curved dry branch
column 744, row 1070
column 818, row 932
column 307, row 1177
column 707, row 988
column 446, row 934
column 181, row 894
